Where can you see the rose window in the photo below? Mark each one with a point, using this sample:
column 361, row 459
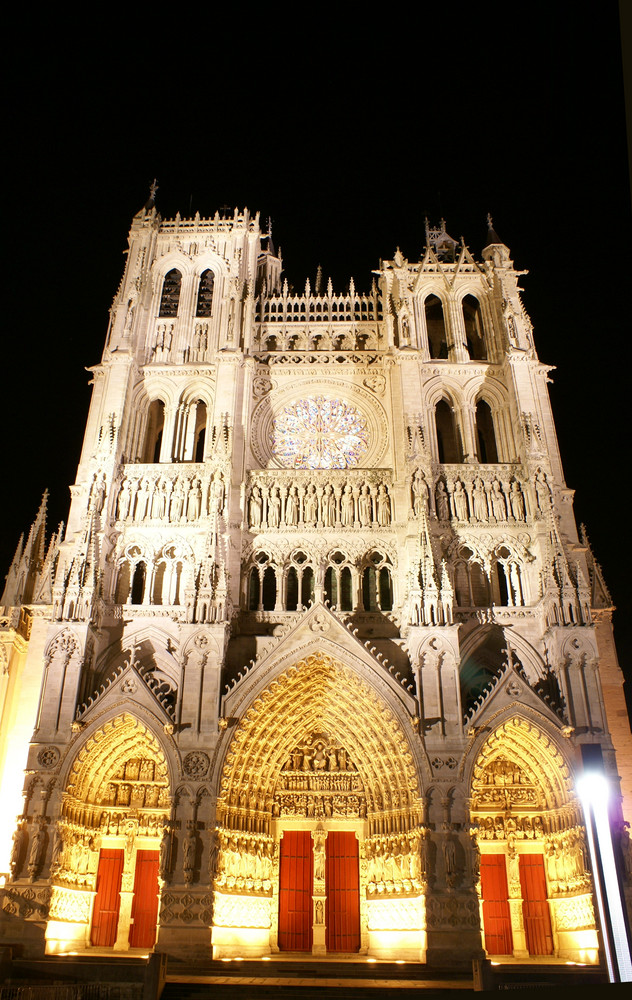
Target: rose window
column 319, row 433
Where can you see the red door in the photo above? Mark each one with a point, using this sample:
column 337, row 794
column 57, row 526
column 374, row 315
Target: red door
column 342, row 878
column 108, row 899
column 296, row 876
column 535, row 908
column 496, row 916
column 142, row 933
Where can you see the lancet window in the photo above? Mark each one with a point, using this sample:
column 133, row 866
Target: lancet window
column 436, row 328
column 205, row 294
column 448, row 436
column 474, row 329
column 500, row 584
column 299, row 583
column 170, row 296
column 339, row 582
column 485, row 433
column 377, row 584
column 262, row 584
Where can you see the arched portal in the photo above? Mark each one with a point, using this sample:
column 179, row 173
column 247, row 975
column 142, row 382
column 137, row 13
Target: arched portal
column 115, row 806
column 319, row 777
column 536, row 893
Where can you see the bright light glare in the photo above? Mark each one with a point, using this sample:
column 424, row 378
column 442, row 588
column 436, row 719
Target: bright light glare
column 592, row 788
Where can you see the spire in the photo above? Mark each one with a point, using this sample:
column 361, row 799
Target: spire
column 492, row 235
column 151, row 201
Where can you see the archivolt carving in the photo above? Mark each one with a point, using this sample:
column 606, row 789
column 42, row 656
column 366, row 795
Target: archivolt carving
column 520, row 748
column 318, row 695
column 120, row 767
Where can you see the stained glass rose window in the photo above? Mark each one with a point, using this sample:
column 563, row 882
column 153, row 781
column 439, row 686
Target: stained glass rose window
column 319, row 433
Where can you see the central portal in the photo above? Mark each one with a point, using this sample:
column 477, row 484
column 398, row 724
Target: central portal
column 309, row 904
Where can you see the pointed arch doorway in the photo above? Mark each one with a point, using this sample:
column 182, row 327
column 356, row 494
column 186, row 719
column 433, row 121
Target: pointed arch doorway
column 105, row 868
column 318, row 810
column 535, row 889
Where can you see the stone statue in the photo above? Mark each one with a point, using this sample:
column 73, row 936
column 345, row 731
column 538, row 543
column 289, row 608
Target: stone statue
column 255, row 508
column 274, row 508
column 383, row 507
column 291, row 507
column 165, row 851
column 480, row 500
column 347, row 508
column 420, row 493
column 498, row 502
column 443, row 508
column 311, row 507
column 517, row 502
column 123, row 503
column 460, row 501
column 364, row 507
column 329, row 507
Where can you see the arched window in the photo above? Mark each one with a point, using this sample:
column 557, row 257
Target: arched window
column 155, row 427
column 307, row 586
column 205, row 294
column 291, row 589
column 269, row 589
column 485, row 434
column 170, row 293
column 471, row 585
column 200, row 432
column 159, row 576
column 385, row 589
column 253, row 589
column 123, row 584
column 138, row 583
column 448, row 437
column 435, row 326
column 474, row 331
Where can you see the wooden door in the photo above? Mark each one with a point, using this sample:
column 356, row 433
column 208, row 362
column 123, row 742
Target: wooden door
column 535, row 907
column 142, row 932
column 496, row 915
column 107, row 901
column 296, row 876
column 342, row 880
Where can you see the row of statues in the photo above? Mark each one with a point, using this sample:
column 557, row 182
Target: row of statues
column 479, row 500
column 326, row 806
column 178, row 499
column 327, row 506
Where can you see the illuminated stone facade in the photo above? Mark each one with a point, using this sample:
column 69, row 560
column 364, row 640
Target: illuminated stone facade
column 321, row 576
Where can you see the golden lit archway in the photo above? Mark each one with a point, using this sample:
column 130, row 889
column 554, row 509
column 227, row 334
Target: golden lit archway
column 535, row 888
column 319, row 751
column 319, row 696
column 117, row 799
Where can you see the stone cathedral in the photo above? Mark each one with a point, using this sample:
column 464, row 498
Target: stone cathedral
column 313, row 665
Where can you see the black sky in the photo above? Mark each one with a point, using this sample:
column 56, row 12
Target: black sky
column 347, row 133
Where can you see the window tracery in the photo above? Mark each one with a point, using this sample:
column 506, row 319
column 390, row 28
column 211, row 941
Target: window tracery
column 170, row 296
column 319, row 433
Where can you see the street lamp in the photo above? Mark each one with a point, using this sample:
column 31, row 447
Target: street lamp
column 593, row 791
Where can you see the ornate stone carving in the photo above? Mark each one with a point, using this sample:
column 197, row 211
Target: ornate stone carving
column 452, row 911
column 71, row 905
column 196, row 764
column 396, row 914
column 241, row 911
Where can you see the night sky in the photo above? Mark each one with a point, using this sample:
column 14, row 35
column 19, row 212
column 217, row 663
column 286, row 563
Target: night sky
column 347, row 134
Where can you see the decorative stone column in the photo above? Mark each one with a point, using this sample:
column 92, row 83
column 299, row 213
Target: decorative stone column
column 319, row 836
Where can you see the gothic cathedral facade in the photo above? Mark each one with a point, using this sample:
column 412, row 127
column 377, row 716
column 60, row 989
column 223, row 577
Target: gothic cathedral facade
column 314, row 663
